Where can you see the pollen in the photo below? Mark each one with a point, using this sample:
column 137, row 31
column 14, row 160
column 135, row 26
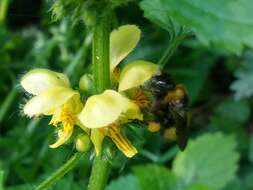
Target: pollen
column 114, row 132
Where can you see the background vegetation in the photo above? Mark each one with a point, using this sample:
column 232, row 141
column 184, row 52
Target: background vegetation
column 214, row 62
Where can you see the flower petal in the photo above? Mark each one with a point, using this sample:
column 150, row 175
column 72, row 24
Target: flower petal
column 47, row 102
column 131, row 112
column 38, row 81
column 64, row 136
column 122, row 42
column 120, row 140
column 136, row 73
column 103, row 109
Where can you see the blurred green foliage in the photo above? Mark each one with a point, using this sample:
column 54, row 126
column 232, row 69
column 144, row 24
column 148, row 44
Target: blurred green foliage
column 220, row 152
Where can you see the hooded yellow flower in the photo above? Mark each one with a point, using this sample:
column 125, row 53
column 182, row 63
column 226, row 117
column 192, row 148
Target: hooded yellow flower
column 52, row 96
column 122, row 42
column 104, row 113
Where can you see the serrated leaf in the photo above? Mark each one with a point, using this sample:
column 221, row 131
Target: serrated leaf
column 226, row 24
column 210, row 159
column 129, row 182
column 156, row 177
column 154, row 11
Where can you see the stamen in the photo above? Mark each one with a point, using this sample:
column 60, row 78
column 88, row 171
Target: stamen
column 123, row 144
column 66, row 134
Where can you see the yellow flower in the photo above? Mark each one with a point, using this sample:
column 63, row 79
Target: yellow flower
column 106, row 112
column 122, row 42
column 52, row 96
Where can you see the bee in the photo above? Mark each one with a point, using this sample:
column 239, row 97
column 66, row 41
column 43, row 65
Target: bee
column 170, row 107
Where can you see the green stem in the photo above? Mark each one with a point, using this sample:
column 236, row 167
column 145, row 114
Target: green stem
column 4, row 4
column 100, row 53
column 69, row 165
column 101, row 71
column 99, row 174
column 174, row 43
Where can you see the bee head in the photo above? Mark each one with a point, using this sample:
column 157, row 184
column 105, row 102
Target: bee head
column 159, row 85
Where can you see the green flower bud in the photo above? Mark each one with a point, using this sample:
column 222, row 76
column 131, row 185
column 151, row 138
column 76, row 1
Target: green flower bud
column 86, row 82
column 83, row 143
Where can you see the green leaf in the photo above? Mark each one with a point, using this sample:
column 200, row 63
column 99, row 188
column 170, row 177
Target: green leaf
column 210, row 159
column 156, row 177
column 236, row 184
column 238, row 111
column 229, row 117
column 230, row 126
column 155, row 11
column 226, row 24
column 243, row 86
column 129, row 182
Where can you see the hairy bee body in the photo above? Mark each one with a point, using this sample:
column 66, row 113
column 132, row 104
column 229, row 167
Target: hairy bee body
column 170, row 107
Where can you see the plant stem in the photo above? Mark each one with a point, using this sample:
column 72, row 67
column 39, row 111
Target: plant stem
column 4, row 4
column 100, row 53
column 69, row 165
column 174, row 43
column 101, row 71
column 99, row 173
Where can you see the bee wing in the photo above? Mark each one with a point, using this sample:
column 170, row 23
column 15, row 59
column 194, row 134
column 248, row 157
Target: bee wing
column 182, row 129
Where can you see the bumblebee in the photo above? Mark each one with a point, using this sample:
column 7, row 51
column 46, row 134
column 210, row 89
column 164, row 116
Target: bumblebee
column 170, row 107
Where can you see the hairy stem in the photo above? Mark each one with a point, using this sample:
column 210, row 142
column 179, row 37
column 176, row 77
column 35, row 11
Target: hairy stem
column 69, row 165
column 100, row 53
column 99, row 173
column 101, row 71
